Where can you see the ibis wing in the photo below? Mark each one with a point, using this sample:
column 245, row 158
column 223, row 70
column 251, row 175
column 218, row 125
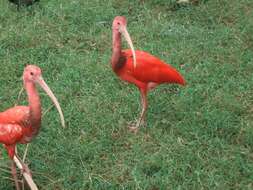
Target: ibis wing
column 10, row 133
column 151, row 69
column 15, row 115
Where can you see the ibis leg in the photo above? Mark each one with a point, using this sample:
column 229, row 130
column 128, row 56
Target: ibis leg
column 141, row 119
column 14, row 174
column 144, row 102
column 24, row 166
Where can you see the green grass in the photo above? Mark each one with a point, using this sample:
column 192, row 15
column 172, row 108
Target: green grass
column 198, row 137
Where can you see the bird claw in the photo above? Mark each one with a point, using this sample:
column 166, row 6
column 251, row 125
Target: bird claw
column 133, row 128
column 143, row 123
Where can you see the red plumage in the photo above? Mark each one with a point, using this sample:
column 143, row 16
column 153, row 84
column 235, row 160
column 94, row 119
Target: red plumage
column 138, row 67
column 16, row 115
column 21, row 124
column 148, row 69
column 15, row 126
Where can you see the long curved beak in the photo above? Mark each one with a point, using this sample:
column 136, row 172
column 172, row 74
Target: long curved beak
column 126, row 35
column 44, row 86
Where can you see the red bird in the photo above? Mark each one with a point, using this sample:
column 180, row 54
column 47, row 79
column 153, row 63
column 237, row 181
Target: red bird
column 138, row 67
column 21, row 124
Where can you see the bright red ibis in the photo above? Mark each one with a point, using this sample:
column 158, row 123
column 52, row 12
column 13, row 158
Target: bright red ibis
column 138, row 67
column 20, row 124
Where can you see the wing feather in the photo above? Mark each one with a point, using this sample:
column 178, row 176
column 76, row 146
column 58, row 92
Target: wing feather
column 15, row 115
column 151, row 69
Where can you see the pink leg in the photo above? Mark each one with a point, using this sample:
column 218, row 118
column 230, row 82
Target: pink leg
column 24, row 166
column 143, row 111
column 14, row 174
column 144, row 107
column 11, row 152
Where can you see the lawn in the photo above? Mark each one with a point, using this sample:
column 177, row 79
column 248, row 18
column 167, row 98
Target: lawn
column 198, row 137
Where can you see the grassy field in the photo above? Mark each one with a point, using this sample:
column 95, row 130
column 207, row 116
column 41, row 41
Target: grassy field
column 198, row 137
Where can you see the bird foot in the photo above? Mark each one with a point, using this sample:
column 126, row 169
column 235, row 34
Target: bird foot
column 143, row 123
column 133, row 128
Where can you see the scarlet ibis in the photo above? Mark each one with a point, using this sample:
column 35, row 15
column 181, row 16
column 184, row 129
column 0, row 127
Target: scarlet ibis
column 138, row 67
column 20, row 124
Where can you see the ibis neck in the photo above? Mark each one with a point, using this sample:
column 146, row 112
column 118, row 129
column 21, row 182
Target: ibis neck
column 34, row 107
column 116, row 48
